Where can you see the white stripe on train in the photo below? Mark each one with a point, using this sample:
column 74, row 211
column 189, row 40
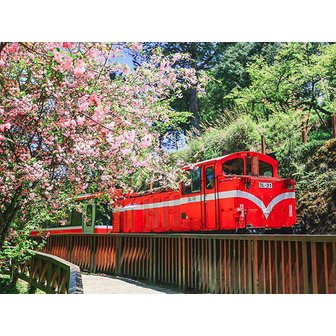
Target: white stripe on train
column 210, row 197
column 59, row 228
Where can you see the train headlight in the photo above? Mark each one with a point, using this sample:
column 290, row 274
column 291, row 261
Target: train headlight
column 247, row 181
column 289, row 184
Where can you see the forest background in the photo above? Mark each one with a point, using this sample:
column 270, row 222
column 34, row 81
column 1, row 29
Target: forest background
column 284, row 92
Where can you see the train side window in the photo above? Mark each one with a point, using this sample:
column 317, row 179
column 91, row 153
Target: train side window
column 89, row 213
column 194, row 182
column 233, row 167
column 76, row 218
column 103, row 214
column 186, row 186
column 265, row 169
column 209, row 177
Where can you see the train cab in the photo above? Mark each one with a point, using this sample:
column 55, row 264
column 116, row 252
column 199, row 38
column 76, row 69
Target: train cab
column 237, row 192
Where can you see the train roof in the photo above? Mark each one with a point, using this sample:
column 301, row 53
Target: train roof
column 236, row 154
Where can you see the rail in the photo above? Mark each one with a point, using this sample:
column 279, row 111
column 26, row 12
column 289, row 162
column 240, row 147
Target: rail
column 209, row 263
column 50, row 274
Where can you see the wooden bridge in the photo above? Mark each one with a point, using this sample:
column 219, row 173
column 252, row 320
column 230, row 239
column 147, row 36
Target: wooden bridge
column 49, row 273
column 208, row 263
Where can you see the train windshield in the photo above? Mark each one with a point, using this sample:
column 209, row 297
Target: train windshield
column 256, row 167
column 265, row 169
column 233, row 167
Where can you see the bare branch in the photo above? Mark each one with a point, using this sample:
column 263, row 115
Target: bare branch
column 2, row 46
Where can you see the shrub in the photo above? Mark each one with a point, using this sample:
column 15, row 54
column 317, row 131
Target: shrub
column 240, row 135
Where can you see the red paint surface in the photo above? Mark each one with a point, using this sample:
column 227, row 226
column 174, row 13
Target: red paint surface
column 216, row 214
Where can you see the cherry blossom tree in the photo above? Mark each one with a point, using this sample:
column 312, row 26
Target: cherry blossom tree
column 74, row 120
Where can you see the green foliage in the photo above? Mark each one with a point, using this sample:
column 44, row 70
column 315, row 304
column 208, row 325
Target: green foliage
column 301, row 76
column 283, row 129
column 176, row 120
column 240, row 135
column 284, row 91
column 18, row 248
column 7, row 286
column 202, row 57
column 317, row 190
column 230, row 73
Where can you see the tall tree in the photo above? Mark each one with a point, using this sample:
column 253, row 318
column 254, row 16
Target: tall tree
column 67, row 128
column 302, row 76
column 203, row 56
column 229, row 73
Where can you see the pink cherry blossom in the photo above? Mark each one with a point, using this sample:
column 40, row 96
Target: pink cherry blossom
column 58, row 56
column 80, row 121
column 146, row 141
column 67, row 44
column 3, row 127
column 70, row 129
column 67, row 65
column 83, row 104
column 79, row 69
column 94, row 100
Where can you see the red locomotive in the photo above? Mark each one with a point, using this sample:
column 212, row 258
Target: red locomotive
column 239, row 192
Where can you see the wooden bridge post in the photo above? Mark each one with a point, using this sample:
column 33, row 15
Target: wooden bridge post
column 154, row 259
column 49, row 275
column 250, row 249
column 118, row 254
column 255, row 270
column 93, row 254
column 305, row 268
column 333, row 125
column 32, row 288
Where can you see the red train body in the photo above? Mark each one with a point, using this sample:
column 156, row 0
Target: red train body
column 237, row 192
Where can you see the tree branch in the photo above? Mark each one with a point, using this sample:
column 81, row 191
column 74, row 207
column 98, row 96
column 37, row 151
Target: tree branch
column 2, row 46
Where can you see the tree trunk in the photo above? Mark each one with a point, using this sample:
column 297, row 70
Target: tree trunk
column 304, row 135
column 333, row 125
column 263, row 144
column 5, row 223
column 193, row 106
column 2, row 46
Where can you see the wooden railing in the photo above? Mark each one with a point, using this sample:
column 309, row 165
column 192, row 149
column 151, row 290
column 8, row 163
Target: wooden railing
column 209, row 263
column 50, row 274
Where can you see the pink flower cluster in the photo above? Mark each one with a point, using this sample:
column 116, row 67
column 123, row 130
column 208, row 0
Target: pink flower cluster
column 65, row 126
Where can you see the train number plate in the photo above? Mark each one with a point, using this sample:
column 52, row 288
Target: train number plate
column 265, row 185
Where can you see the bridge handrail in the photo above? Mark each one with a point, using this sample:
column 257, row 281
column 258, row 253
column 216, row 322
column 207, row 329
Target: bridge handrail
column 209, row 263
column 50, row 274
column 222, row 236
